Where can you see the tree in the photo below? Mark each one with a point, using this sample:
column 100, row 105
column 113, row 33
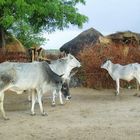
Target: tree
column 27, row 37
column 27, row 18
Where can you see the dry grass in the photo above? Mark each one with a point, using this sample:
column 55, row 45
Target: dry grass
column 93, row 56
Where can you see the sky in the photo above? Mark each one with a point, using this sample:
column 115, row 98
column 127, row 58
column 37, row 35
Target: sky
column 106, row 16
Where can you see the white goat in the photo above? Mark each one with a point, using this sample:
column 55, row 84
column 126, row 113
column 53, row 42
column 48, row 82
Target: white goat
column 126, row 72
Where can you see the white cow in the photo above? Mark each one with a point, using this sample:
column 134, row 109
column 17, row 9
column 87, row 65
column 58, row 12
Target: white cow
column 64, row 67
column 126, row 72
column 28, row 76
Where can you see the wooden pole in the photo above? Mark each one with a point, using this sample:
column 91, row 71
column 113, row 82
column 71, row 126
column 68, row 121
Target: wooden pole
column 33, row 55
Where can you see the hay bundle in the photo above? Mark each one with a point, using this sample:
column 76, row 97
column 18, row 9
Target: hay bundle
column 15, row 46
column 13, row 51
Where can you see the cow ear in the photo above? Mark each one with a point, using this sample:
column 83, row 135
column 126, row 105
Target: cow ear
column 70, row 56
column 104, row 61
column 107, row 59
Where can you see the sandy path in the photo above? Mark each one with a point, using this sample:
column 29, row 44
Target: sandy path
column 90, row 115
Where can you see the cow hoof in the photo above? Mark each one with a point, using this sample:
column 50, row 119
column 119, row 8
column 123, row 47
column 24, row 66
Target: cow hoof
column 5, row 118
column 33, row 114
column 62, row 104
column 138, row 95
column 53, row 105
column 135, row 94
column 116, row 93
column 44, row 114
column 29, row 101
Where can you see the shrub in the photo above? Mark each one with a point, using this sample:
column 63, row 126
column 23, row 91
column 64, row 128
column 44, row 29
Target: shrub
column 92, row 57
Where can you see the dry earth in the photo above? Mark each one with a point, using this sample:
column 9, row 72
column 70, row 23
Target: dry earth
column 90, row 115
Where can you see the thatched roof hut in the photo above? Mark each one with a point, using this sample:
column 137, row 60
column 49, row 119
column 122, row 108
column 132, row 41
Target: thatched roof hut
column 86, row 38
column 126, row 37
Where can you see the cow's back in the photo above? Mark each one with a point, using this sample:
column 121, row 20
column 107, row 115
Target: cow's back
column 29, row 75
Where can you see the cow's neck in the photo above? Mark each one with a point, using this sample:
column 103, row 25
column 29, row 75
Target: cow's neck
column 58, row 68
column 110, row 68
column 67, row 72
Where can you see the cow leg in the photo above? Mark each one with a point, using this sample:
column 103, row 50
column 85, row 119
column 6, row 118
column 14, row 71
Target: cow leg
column 60, row 98
column 138, row 83
column 33, row 102
column 39, row 94
column 53, row 98
column 29, row 98
column 1, row 105
column 117, row 86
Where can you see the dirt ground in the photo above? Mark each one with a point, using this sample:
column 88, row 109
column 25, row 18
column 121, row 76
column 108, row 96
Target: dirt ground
column 89, row 115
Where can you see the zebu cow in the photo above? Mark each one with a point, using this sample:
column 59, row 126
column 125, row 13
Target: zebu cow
column 64, row 67
column 126, row 72
column 28, row 76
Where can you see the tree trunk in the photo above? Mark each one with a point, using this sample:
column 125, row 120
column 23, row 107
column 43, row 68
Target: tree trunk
column 2, row 38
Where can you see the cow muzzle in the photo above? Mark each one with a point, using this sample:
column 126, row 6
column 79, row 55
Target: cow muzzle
column 68, row 98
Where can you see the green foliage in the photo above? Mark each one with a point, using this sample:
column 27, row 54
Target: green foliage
column 35, row 16
column 27, row 36
column 31, row 39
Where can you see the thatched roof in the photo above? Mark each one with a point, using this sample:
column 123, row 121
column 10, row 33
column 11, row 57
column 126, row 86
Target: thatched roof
column 87, row 37
column 126, row 37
